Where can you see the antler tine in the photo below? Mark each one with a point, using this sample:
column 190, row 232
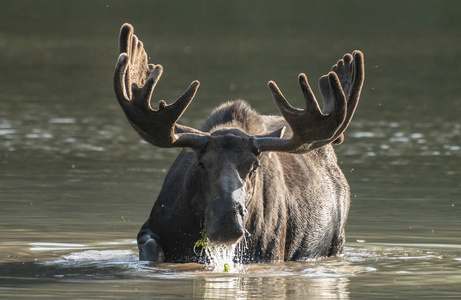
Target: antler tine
column 309, row 97
column 119, row 78
column 183, row 102
column 351, row 73
column 134, row 83
column 282, row 103
column 126, row 35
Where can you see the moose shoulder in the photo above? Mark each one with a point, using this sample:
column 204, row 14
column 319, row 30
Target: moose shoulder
column 272, row 181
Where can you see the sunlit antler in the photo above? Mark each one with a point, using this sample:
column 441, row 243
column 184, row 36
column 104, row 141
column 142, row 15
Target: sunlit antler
column 351, row 73
column 312, row 127
column 134, row 83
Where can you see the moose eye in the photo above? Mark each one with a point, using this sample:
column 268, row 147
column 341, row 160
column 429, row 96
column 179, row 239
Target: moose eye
column 256, row 166
column 201, row 166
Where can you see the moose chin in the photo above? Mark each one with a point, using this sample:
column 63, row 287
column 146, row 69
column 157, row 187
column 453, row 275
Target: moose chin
column 273, row 181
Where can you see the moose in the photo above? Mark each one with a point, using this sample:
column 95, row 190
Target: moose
column 272, row 181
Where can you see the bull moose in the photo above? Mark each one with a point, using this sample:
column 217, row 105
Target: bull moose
column 272, row 181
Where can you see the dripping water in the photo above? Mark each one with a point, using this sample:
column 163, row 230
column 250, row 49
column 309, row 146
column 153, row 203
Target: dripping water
column 221, row 257
column 227, row 258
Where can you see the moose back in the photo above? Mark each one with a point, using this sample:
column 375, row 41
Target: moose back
column 272, row 181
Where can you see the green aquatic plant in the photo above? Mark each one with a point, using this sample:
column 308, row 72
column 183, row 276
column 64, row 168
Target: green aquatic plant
column 203, row 240
column 226, row 268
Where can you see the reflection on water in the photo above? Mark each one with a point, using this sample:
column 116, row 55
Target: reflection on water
column 277, row 286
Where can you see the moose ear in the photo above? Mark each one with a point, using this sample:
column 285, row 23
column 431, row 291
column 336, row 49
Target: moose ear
column 188, row 149
column 275, row 134
column 256, row 140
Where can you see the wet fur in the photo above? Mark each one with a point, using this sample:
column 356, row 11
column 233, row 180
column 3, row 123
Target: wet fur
column 298, row 210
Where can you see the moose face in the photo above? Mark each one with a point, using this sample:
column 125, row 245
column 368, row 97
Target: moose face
column 227, row 167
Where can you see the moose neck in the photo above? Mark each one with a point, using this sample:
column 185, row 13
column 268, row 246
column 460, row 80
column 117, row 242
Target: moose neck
column 267, row 213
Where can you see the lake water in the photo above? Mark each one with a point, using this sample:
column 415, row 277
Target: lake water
column 76, row 182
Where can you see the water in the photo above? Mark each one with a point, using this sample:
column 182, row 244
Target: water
column 221, row 258
column 76, row 183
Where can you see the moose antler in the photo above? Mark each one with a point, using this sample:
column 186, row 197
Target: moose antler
column 312, row 127
column 351, row 73
column 134, row 83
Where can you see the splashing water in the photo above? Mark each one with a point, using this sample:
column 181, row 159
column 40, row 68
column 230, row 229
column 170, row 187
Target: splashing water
column 221, row 257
